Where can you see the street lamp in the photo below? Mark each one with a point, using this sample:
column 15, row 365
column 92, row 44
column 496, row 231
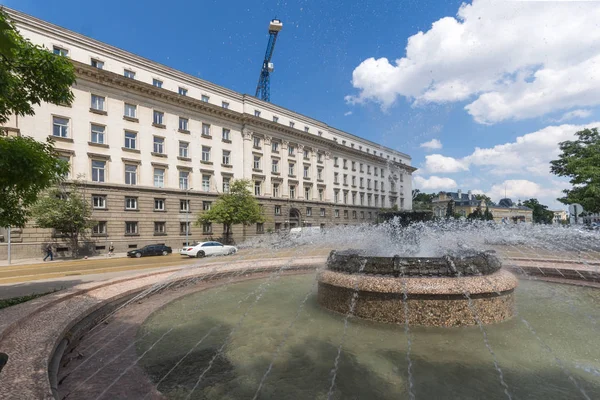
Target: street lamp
column 187, row 215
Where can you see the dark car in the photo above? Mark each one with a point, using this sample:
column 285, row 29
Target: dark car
column 150, row 250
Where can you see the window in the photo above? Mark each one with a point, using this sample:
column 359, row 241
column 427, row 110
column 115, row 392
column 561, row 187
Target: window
column 319, row 157
column 362, row 215
column 156, row 82
column 158, row 117
column 336, row 177
column 131, row 228
column 335, row 162
column 260, row 227
column 275, row 119
column 182, row 91
column 160, row 227
column 159, row 177
column 292, row 124
column 382, row 201
column 321, row 194
column 306, row 171
column 256, row 113
column 59, row 51
column 345, row 197
column 362, row 167
column 306, row 154
column 322, row 212
column 345, row 179
column 336, row 213
column 336, row 196
column 346, row 214
column 256, row 164
column 275, row 147
column 320, row 173
column 98, row 134
column 226, row 134
column 226, row 182
column 99, row 202
column 369, row 200
column 226, row 157
column 184, row 148
column 98, row 102
column 60, row 127
column 277, row 210
column 353, row 180
column 375, row 185
column 207, row 227
column 306, row 129
column 257, row 186
column 276, row 190
column 345, row 163
column 184, row 228
column 353, row 198
column 159, row 204
column 131, row 203
column 159, row 145
column 291, row 150
column 257, row 142
column 382, row 173
column 204, row 98
column 320, row 133
column 99, row 228
column 184, row 205
column 362, row 182
column 307, row 193
column 130, row 110
column 206, row 205
column 369, row 184
column 205, row 129
column 292, row 191
column 206, row 153
column 98, row 170
column 362, row 199
column 183, row 124
column 368, row 169
column 375, row 171
column 224, row 104
column 275, row 166
column 353, row 165
column 97, row 63
column 354, row 214
column 130, row 174
column 206, row 183
column 291, row 169
column 129, row 74
column 382, row 187
column 369, row 214
column 184, row 178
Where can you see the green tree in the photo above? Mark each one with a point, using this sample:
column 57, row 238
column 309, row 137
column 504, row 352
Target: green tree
column 487, row 214
column 422, row 200
column 238, row 206
column 66, row 210
column 450, row 212
column 488, row 200
column 541, row 214
column 28, row 167
column 580, row 161
column 30, row 74
column 477, row 214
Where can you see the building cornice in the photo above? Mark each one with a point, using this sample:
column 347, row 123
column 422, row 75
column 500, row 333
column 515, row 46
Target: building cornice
column 103, row 77
column 54, row 31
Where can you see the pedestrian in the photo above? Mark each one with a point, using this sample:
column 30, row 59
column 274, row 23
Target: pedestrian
column 111, row 249
column 49, row 252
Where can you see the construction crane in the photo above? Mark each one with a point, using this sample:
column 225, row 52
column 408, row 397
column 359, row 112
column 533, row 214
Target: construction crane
column 263, row 89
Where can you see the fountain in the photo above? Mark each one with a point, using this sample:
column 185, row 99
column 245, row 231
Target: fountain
column 439, row 291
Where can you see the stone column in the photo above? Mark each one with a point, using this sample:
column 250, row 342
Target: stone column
column 247, row 157
column 268, row 187
column 285, row 190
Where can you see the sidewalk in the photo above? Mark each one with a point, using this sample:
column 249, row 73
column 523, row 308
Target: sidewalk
column 40, row 260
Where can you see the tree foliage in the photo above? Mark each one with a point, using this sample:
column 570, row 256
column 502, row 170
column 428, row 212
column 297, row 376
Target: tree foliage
column 238, row 206
column 479, row 214
column 541, row 214
column 422, row 200
column 28, row 167
column 66, row 210
column 487, row 199
column 30, row 74
column 580, row 161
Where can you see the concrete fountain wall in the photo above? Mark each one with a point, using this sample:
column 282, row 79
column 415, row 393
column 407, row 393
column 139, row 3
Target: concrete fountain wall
column 447, row 291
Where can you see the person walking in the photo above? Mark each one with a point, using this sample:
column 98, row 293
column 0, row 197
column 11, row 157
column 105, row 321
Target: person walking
column 111, row 249
column 49, row 252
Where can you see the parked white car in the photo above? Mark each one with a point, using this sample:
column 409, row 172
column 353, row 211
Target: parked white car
column 205, row 249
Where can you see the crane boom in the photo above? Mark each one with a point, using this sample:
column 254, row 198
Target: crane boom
column 263, row 89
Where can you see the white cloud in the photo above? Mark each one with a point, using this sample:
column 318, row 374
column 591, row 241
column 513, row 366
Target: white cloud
column 433, row 144
column 523, row 189
column 437, row 163
column 573, row 115
column 434, row 183
column 515, row 59
column 347, row 113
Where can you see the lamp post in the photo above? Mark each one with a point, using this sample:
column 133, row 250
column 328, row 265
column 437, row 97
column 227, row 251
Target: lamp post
column 187, row 215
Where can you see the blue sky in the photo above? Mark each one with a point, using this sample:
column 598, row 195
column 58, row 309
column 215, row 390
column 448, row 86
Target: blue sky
column 510, row 78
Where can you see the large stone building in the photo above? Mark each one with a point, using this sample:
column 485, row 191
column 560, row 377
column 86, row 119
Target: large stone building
column 156, row 146
column 465, row 203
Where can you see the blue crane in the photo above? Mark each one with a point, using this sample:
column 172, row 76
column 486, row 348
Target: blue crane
column 263, row 89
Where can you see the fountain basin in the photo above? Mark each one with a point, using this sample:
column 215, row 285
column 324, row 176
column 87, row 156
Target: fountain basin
column 435, row 290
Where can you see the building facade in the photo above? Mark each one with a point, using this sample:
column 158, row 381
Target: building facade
column 155, row 147
column 465, row 203
column 560, row 217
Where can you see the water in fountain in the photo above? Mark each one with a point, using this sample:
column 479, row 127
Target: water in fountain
column 283, row 345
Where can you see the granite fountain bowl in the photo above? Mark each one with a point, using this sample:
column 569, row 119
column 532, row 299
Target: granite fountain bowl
column 453, row 290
